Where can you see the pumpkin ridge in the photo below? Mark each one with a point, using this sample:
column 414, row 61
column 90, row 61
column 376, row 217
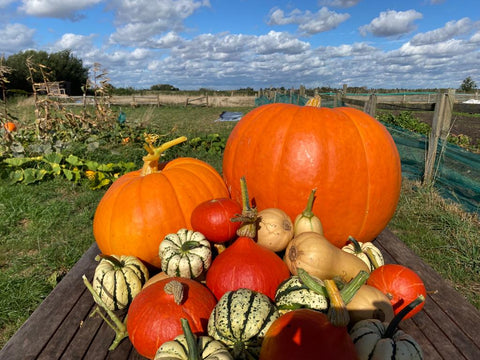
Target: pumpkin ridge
column 365, row 219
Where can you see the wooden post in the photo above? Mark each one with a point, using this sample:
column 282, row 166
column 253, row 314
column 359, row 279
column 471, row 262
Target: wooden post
column 345, row 86
column 371, row 105
column 301, row 91
column 442, row 118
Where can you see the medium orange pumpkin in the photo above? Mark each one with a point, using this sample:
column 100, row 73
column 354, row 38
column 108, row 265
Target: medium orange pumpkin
column 284, row 151
column 141, row 207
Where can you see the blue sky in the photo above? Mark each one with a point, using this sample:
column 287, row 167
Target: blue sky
column 231, row 44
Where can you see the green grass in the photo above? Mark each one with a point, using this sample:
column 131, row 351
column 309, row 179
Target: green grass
column 46, row 227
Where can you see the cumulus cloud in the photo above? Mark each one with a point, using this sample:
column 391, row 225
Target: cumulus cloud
column 308, row 23
column 62, row 9
column 15, row 37
column 74, row 42
column 339, row 3
column 138, row 22
column 450, row 30
column 392, row 23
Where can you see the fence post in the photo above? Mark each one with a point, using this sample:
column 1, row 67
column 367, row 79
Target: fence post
column 371, row 105
column 442, row 118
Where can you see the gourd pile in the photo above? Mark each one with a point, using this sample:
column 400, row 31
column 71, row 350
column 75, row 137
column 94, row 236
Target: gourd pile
column 275, row 259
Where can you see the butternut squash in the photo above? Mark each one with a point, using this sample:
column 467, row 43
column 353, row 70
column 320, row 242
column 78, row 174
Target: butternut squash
column 316, row 255
column 370, row 303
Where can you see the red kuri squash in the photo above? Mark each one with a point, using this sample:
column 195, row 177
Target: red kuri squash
column 245, row 264
column 213, row 219
column 308, row 335
column 141, row 207
column 401, row 284
column 284, row 151
column 154, row 316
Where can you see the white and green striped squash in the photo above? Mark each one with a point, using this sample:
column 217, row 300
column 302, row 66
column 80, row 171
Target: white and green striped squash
column 188, row 346
column 374, row 339
column 240, row 320
column 365, row 251
column 185, row 254
column 367, row 335
column 293, row 294
column 118, row 279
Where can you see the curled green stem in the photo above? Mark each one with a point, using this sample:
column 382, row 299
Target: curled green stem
column 118, row 326
column 392, row 327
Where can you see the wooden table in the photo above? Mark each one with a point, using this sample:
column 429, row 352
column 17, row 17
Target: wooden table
column 448, row 327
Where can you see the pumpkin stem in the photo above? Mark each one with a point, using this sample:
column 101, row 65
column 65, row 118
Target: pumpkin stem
column 110, row 258
column 118, row 326
column 189, row 245
column 248, row 218
column 311, row 282
column 399, row 317
column 150, row 161
column 175, row 288
column 351, row 288
column 308, row 213
column 191, row 339
column 337, row 312
column 356, row 245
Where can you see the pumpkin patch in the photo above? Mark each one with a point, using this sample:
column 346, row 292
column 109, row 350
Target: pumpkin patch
column 289, row 275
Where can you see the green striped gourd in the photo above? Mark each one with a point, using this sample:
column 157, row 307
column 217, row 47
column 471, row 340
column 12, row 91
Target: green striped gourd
column 294, row 294
column 366, row 251
column 118, row 279
column 188, row 346
column 374, row 339
column 185, row 254
column 240, row 320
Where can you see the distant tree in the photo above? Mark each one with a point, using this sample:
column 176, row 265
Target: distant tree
column 62, row 66
column 163, row 87
column 66, row 67
column 468, row 85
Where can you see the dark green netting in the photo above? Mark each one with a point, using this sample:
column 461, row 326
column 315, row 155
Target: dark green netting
column 281, row 98
column 457, row 171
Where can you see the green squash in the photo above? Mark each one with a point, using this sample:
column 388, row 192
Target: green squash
column 118, row 279
column 240, row 320
column 188, row 346
column 185, row 254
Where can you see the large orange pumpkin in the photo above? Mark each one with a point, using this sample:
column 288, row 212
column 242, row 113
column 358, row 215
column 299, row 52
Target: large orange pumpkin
column 141, row 207
column 284, row 151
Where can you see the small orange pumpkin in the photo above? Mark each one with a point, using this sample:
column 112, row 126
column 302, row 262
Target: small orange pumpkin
column 10, row 126
column 284, row 151
column 141, row 207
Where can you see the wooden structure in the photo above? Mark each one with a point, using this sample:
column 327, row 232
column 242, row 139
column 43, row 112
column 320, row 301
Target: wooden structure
column 60, row 328
column 55, row 88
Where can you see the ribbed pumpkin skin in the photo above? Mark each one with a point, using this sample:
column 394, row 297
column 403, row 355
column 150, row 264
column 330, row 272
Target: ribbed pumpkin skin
column 137, row 212
column 154, row 317
column 284, row 151
column 10, row 126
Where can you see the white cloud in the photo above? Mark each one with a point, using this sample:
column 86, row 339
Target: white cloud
column 16, row 37
column 73, row 42
column 391, row 23
column 450, row 30
column 339, row 3
column 62, row 9
column 139, row 22
column 308, row 23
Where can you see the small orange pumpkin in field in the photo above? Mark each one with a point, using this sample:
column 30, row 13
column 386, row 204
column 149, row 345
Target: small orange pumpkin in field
column 284, row 151
column 141, row 207
column 10, row 126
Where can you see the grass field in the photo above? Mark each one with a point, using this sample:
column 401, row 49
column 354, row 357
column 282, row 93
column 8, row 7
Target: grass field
column 46, row 227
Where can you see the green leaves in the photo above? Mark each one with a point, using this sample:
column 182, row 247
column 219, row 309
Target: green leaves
column 29, row 170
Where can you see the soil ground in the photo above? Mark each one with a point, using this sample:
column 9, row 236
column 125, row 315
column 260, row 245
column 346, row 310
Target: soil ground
column 462, row 124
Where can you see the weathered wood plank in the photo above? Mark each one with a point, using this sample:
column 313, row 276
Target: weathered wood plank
column 45, row 320
column 61, row 327
column 448, row 321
